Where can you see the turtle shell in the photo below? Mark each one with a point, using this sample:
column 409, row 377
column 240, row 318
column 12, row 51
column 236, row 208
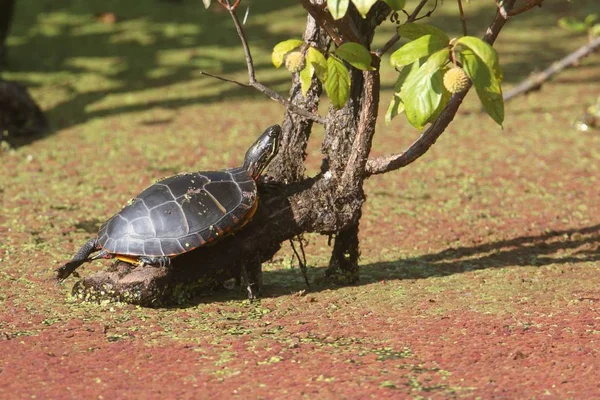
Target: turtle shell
column 181, row 213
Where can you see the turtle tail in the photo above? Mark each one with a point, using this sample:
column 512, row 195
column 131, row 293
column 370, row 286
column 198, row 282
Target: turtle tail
column 82, row 256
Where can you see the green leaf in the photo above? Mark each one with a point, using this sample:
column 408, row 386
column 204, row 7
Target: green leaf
column 318, row 61
column 337, row 8
column 414, row 31
column 337, row 85
column 591, row 19
column 363, row 6
column 595, row 30
column 572, row 24
column 446, row 95
column 484, row 51
column 356, row 55
column 422, row 92
column 206, row 3
column 396, row 5
column 487, row 86
column 404, row 74
column 282, row 48
column 396, row 107
column 306, row 78
column 418, row 48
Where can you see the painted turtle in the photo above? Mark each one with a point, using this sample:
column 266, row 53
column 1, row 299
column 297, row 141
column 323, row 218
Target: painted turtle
column 180, row 213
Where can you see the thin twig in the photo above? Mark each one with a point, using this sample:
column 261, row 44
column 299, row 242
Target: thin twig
column 530, row 4
column 428, row 13
column 420, row 146
column 252, row 82
column 301, row 261
column 225, row 79
column 411, row 18
column 536, row 81
column 462, row 17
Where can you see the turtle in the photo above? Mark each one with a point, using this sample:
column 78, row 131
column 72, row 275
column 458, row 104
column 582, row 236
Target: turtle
column 181, row 213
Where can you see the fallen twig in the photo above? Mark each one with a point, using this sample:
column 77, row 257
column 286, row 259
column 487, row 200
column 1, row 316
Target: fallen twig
column 535, row 81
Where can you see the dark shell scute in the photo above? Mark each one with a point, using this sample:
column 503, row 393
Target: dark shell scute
column 240, row 175
column 218, row 176
column 190, row 242
column 171, row 247
column 200, row 210
column 183, row 183
column 115, row 227
column 156, row 195
column 143, row 227
column 109, row 244
column 152, row 248
column 122, row 245
column 135, row 246
column 169, row 220
column 227, row 194
column 247, row 187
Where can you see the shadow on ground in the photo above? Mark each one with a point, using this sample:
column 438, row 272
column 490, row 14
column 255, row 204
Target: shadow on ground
column 156, row 44
column 152, row 46
column 555, row 247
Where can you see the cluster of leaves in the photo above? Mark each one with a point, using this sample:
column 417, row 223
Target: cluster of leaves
column 422, row 62
column 331, row 70
column 431, row 66
column 590, row 24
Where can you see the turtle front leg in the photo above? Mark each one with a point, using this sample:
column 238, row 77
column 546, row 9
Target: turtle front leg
column 159, row 261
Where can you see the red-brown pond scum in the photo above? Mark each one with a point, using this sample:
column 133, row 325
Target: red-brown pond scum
column 480, row 262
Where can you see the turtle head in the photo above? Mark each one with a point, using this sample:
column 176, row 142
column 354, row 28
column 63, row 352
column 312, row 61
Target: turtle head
column 262, row 151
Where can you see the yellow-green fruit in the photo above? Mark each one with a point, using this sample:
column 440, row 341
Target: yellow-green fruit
column 456, row 80
column 294, row 61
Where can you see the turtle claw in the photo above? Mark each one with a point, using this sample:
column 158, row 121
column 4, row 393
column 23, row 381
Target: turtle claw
column 162, row 262
column 253, row 291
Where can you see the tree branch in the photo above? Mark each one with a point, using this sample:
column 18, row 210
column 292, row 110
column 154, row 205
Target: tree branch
column 324, row 20
column 252, row 82
column 462, row 17
column 530, row 4
column 340, row 31
column 381, row 165
column 392, row 162
column 535, row 82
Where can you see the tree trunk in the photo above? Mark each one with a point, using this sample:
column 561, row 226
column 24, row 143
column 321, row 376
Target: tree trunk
column 20, row 115
column 7, row 8
column 288, row 166
column 290, row 204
